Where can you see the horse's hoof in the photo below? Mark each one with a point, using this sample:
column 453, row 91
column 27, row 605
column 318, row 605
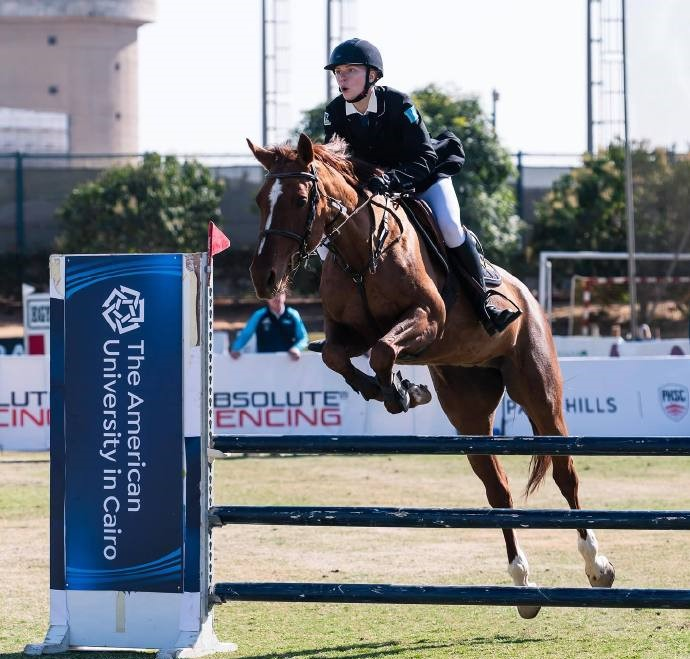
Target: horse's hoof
column 419, row 393
column 316, row 346
column 528, row 612
column 604, row 573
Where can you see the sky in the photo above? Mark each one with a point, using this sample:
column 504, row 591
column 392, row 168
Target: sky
column 200, row 67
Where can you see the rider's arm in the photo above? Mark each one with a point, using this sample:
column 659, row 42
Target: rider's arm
column 248, row 331
column 417, row 158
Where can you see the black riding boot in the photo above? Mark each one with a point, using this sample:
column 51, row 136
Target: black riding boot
column 467, row 263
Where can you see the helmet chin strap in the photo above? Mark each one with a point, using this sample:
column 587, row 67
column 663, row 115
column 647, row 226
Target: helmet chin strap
column 365, row 91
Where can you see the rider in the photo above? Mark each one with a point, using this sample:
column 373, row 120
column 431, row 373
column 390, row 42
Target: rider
column 382, row 126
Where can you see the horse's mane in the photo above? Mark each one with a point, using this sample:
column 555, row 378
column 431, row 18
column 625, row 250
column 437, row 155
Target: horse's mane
column 334, row 154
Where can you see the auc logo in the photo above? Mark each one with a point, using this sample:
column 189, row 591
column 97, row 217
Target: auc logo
column 124, row 310
column 674, row 400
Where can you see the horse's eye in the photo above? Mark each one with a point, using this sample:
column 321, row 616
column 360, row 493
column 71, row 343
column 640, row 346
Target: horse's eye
column 301, row 202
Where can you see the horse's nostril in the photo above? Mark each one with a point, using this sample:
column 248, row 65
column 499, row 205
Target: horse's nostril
column 271, row 281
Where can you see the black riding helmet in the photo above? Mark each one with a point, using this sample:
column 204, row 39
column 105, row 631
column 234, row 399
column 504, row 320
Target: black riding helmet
column 357, row 51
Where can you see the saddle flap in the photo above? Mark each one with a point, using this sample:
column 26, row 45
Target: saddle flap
column 422, row 218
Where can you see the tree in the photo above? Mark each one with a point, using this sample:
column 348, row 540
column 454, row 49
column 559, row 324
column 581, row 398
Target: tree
column 160, row 205
column 585, row 209
column 486, row 196
column 311, row 123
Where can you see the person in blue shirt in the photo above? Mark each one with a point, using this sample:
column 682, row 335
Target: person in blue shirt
column 278, row 328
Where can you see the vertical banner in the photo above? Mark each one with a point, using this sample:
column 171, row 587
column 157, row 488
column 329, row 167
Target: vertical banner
column 123, row 428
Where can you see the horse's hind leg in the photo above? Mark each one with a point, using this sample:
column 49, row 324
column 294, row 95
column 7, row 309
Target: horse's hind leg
column 469, row 397
column 598, row 568
column 537, row 385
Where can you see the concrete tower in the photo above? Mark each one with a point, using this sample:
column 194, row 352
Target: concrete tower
column 77, row 57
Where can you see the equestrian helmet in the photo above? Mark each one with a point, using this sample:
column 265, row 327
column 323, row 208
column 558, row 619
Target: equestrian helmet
column 356, row 51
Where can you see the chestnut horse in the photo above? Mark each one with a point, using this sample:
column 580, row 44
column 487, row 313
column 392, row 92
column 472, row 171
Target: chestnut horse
column 380, row 291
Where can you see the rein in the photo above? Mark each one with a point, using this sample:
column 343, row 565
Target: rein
column 377, row 243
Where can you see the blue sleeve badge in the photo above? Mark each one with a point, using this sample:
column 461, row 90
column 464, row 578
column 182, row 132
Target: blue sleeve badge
column 326, row 119
column 412, row 114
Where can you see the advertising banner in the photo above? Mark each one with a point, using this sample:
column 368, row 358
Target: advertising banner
column 270, row 393
column 24, row 403
column 124, row 437
column 616, row 397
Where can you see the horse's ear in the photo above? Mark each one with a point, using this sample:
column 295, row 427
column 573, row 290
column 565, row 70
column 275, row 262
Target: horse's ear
column 264, row 156
column 305, row 149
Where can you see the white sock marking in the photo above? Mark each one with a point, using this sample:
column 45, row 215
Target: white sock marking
column 518, row 569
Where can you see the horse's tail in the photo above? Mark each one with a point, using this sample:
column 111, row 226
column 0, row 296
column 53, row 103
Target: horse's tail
column 539, row 465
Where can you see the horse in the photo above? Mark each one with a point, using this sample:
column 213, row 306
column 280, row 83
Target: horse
column 382, row 291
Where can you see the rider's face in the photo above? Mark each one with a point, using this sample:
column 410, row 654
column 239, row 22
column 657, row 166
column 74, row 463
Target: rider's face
column 351, row 79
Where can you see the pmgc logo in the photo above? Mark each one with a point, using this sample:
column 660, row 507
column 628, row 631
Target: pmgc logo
column 124, row 310
column 674, row 400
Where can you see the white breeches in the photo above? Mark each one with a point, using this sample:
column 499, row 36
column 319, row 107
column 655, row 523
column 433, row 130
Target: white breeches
column 444, row 202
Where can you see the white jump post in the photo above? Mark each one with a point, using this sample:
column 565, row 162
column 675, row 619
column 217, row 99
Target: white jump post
column 130, row 557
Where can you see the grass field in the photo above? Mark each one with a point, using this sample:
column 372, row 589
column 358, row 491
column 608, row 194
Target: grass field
column 255, row 553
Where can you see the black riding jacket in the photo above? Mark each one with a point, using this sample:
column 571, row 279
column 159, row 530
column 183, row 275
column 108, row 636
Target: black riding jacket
column 395, row 138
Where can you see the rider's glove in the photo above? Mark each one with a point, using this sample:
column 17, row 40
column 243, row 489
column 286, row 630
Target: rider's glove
column 379, row 184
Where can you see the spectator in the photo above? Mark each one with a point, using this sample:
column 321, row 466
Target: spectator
column 644, row 333
column 278, row 328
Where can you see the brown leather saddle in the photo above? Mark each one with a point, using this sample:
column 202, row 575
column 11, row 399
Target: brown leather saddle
column 422, row 219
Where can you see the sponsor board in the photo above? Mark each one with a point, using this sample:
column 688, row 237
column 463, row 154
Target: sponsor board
column 269, row 393
column 122, row 331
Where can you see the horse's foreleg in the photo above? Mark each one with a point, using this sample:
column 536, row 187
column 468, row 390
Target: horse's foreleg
column 340, row 346
column 413, row 332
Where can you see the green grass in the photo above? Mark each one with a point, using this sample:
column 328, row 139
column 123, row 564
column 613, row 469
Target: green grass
column 255, row 553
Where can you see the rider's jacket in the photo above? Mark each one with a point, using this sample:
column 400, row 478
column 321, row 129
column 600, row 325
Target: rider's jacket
column 392, row 135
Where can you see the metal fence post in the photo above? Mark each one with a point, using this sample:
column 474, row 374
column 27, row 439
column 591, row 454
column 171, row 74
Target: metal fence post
column 520, row 187
column 19, row 201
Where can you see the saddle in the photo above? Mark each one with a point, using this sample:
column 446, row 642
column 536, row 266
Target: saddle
column 422, row 219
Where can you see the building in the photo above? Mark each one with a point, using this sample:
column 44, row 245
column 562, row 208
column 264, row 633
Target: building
column 75, row 58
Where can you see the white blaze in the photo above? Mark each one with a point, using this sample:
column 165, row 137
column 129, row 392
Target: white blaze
column 272, row 201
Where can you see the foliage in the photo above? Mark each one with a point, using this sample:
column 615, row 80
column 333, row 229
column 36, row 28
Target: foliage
column 160, row 205
column 311, row 123
column 486, row 196
column 585, row 209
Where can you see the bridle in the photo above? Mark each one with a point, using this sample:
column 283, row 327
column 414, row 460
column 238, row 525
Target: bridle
column 303, row 240
column 378, row 243
column 314, row 195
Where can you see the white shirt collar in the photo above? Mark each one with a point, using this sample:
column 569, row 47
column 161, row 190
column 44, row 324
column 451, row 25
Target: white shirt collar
column 372, row 107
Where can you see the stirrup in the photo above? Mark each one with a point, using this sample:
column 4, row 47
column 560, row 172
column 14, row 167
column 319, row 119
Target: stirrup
column 499, row 320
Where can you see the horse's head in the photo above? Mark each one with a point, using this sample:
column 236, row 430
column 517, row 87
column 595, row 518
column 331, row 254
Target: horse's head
column 292, row 218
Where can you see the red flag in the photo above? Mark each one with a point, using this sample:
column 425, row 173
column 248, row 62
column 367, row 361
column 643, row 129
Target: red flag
column 217, row 240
